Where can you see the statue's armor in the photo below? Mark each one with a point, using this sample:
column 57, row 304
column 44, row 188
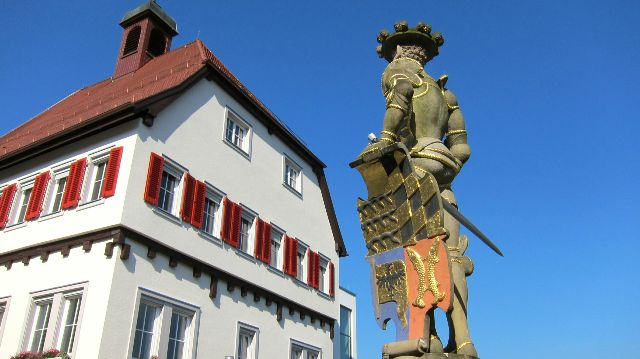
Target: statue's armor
column 426, row 117
column 430, row 109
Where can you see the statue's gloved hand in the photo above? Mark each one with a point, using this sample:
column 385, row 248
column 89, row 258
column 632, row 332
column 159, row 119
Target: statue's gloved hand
column 375, row 147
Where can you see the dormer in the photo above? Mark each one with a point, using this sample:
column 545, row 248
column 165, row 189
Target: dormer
column 148, row 31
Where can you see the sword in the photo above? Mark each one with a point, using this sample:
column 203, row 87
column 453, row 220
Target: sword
column 467, row 223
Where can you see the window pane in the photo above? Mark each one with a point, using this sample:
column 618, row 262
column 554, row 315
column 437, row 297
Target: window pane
column 40, row 324
column 245, row 225
column 239, row 136
column 323, row 271
column 236, row 134
column 23, row 208
column 98, row 180
column 229, row 132
column 300, row 261
column 177, row 335
column 345, row 333
column 210, row 209
column 296, row 353
column 70, row 323
column 244, row 345
column 144, row 331
column 167, row 188
column 57, row 200
column 275, row 245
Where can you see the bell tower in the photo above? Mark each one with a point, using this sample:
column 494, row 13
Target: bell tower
column 148, row 31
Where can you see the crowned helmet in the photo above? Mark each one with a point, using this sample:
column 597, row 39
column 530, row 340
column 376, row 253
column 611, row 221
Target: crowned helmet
column 419, row 36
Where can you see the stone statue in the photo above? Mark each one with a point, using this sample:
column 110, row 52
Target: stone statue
column 414, row 246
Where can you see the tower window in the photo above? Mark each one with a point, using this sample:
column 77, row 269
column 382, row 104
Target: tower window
column 157, row 43
column 133, row 38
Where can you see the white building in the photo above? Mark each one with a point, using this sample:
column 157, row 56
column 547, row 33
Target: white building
column 166, row 211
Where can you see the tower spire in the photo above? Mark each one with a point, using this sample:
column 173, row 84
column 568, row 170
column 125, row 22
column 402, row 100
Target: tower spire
column 148, row 31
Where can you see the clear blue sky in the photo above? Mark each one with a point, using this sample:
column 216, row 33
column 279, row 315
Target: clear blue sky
column 549, row 90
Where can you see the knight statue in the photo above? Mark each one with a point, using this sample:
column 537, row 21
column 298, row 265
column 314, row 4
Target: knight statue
column 410, row 221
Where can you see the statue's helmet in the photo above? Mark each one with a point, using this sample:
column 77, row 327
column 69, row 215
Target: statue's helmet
column 419, row 36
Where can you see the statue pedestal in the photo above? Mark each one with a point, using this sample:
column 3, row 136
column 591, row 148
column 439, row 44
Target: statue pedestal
column 415, row 349
column 434, row 356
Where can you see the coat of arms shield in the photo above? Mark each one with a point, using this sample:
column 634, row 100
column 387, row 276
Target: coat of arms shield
column 403, row 226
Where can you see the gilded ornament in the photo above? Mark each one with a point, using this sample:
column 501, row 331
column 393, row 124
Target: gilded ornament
column 391, row 280
column 426, row 274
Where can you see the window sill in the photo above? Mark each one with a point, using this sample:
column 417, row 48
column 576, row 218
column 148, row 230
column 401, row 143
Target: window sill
column 49, row 216
column 238, row 149
column 300, row 283
column 93, row 203
column 292, row 190
column 245, row 255
column 210, row 238
column 167, row 215
column 325, row 296
column 15, row 226
column 276, row 271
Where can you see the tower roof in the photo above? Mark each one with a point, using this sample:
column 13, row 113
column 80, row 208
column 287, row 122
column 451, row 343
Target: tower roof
column 152, row 8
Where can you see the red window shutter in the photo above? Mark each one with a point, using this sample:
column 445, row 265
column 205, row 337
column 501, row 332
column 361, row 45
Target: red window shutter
column 111, row 174
column 266, row 243
column 5, row 203
column 37, row 195
column 287, row 249
column 236, row 217
column 187, row 198
column 294, row 257
column 227, row 211
column 154, row 176
column 200, row 194
column 257, row 249
column 332, row 280
column 316, row 270
column 310, row 263
column 72, row 190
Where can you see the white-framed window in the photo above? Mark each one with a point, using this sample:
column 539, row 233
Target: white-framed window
column 95, row 177
column 324, row 263
column 24, row 194
column 247, row 347
column 300, row 350
column 346, row 347
column 54, row 319
column 246, row 231
column 212, row 213
column 59, row 182
column 292, row 175
column 276, row 244
column 169, row 194
column 237, row 133
column 147, row 329
column 302, row 253
column 163, row 327
column 178, row 334
column 4, row 304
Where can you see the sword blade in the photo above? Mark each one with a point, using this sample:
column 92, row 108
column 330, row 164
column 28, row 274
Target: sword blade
column 467, row 223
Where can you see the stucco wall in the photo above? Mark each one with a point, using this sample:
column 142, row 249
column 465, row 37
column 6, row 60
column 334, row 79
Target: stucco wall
column 93, row 269
column 190, row 132
column 219, row 317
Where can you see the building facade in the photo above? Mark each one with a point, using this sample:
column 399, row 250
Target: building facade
column 165, row 211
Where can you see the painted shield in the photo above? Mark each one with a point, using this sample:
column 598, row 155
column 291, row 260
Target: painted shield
column 403, row 226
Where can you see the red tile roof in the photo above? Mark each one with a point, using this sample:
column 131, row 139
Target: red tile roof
column 160, row 74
